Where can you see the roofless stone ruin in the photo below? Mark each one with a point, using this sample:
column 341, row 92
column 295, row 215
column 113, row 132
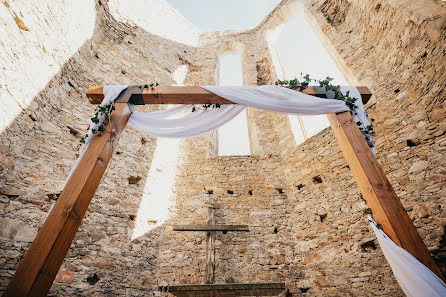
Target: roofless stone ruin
column 292, row 218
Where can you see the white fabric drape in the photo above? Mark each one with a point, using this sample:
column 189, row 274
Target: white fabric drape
column 180, row 122
column 360, row 114
column 110, row 95
column 415, row 279
column 278, row 99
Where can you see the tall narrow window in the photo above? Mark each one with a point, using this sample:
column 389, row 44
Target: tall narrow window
column 305, row 55
column 233, row 139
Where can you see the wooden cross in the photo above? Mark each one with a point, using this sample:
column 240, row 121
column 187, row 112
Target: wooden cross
column 38, row 268
column 211, row 229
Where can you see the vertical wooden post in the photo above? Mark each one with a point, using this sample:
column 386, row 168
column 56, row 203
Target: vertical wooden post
column 377, row 191
column 38, row 268
column 210, row 244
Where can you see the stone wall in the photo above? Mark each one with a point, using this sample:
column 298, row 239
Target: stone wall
column 39, row 142
column 401, row 59
column 304, row 210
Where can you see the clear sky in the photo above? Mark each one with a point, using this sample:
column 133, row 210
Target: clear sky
column 219, row 15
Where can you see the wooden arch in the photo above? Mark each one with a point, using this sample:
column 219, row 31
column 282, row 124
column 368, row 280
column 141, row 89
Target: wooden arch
column 38, row 268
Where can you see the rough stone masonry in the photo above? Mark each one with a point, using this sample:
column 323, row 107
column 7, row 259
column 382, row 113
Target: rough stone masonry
column 301, row 202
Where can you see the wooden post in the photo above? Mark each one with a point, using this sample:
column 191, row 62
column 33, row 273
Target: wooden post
column 377, row 191
column 38, row 268
column 210, row 245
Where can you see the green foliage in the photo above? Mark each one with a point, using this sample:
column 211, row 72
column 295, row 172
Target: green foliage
column 146, row 86
column 368, row 211
column 379, row 226
column 206, row 106
column 302, row 83
column 105, row 111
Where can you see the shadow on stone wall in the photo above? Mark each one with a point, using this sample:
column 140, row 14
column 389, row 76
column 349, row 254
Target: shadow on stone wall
column 38, row 149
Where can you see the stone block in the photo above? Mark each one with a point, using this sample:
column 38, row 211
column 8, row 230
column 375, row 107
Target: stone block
column 64, row 276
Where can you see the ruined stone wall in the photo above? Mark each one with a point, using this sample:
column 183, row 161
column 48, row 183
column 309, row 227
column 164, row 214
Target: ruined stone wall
column 397, row 49
column 46, row 70
column 332, row 251
column 304, row 210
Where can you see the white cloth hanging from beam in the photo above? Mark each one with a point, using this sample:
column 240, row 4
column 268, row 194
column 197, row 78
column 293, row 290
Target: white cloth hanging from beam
column 180, row 122
column 415, row 279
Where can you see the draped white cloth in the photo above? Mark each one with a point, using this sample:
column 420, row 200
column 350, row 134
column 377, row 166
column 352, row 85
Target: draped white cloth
column 110, row 95
column 415, row 279
column 180, row 122
column 359, row 115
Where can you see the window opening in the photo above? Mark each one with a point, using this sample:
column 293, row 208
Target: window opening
column 305, row 55
column 233, row 138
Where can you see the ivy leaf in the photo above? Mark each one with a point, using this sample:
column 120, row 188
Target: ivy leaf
column 82, row 140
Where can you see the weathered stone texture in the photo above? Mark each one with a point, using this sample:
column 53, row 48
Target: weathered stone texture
column 398, row 49
column 304, row 210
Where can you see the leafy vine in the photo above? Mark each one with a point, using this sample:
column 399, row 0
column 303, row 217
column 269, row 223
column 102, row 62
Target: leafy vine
column 102, row 110
column 304, row 82
column 106, row 111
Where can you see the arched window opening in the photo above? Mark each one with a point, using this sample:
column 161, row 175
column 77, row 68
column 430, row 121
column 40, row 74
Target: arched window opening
column 233, row 139
column 305, row 55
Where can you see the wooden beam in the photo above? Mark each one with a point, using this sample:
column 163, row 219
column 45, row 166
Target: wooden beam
column 192, row 95
column 38, row 268
column 225, row 290
column 377, row 191
column 210, row 245
column 223, row 228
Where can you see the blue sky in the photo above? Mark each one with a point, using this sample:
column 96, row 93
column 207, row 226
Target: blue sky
column 219, row 15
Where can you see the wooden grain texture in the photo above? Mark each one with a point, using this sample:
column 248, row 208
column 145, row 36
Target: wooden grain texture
column 377, row 191
column 195, row 95
column 226, row 290
column 224, row 228
column 210, row 245
column 38, row 268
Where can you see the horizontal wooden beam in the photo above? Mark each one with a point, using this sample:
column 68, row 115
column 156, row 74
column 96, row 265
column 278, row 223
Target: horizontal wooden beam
column 192, row 95
column 223, row 228
column 225, row 290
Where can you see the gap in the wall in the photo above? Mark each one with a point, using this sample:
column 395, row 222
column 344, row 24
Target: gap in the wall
column 233, row 139
column 305, row 55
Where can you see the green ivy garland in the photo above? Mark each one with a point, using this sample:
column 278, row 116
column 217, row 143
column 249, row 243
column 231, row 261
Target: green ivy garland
column 304, row 82
column 102, row 110
column 106, row 111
